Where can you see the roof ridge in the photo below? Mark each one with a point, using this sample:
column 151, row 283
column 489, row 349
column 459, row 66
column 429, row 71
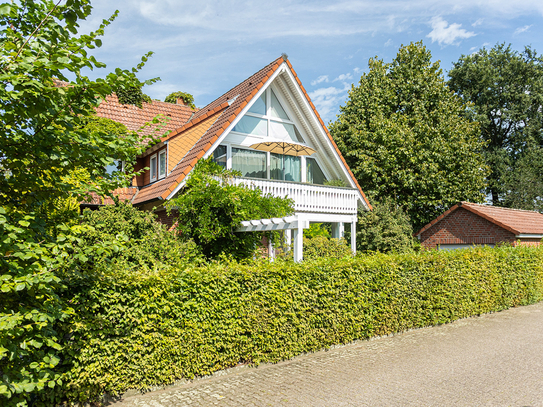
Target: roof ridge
column 498, row 207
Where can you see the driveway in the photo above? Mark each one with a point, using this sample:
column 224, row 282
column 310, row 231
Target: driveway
column 491, row 360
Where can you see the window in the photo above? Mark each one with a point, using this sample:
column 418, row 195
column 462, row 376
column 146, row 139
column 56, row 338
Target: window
column 152, row 168
column 267, row 115
column 162, row 164
column 250, row 163
column 219, row 156
column 285, row 168
column 314, row 172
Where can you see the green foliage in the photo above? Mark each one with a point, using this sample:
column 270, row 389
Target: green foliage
column 148, row 245
column 132, row 95
column 404, row 136
column 320, row 246
column 316, row 229
column 336, row 183
column 186, row 97
column 524, row 184
column 506, row 89
column 212, row 207
column 386, row 228
column 44, row 125
column 137, row 330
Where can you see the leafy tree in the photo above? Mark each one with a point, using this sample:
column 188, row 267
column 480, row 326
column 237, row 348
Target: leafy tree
column 524, row 183
column 50, row 149
column 506, row 89
column 44, row 136
column 386, row 228
column 212, row 207
column 404, row 136
column 186, row 97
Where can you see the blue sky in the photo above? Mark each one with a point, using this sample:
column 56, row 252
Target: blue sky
column 207, row 47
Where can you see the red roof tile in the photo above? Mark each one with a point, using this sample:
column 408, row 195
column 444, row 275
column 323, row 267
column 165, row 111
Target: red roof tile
column 134, row 117
column 516, row 221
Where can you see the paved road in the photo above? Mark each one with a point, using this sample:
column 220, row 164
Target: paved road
column 492, row 360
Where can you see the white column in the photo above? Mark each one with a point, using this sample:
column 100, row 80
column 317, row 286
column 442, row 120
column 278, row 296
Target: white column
column 338, row 230
column 298, row 243
column 288, row 238
column 271, row 250
column 353, row 237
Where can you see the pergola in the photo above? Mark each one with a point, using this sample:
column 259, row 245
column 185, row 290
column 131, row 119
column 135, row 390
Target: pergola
column 294, row 226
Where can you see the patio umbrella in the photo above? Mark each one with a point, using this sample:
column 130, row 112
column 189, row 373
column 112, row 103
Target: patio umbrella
column 283, row 147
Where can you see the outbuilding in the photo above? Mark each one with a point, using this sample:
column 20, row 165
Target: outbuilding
column 467, row 224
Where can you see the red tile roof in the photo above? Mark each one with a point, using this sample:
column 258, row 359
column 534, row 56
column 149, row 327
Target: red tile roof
column 516, row 221
column 134, row 117
column 124, row 194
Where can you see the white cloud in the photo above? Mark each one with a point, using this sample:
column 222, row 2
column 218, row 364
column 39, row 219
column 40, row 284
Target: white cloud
column 388, row 43
column 327, row 100
column 522, row 29
column 478, row 22
column 320, row 79
column 343, row 77
column 446, row 34
column 357, row 70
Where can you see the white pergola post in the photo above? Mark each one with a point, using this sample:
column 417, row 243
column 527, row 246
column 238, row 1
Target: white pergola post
column 353, row 237
column 298, row 243
column 271, row 250
column 288, row 238
column 338, row 230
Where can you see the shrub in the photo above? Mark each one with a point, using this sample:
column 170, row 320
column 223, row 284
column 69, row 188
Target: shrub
column 386, row 228
column 322, row 246
column 136, row 330
column 148, row 245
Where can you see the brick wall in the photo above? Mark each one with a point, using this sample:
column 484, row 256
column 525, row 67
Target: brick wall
column 165, row 219
column 464, row 227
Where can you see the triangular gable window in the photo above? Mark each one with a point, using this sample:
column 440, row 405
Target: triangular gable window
column 276, row 108
column 259, row 107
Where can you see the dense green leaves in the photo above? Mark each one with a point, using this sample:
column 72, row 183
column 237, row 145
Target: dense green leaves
column 506, row 89
column 44, row 138
column 212, row 207
column 185, row 97
column 137, row 330
column 404, row 136
column 386, row 228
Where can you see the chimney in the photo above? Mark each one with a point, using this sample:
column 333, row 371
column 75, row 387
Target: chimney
column 181, row 102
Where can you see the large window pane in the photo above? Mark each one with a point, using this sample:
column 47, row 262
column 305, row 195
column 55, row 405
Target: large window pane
column 249, row 163
column 259, row 107
column 314, row 172
column 284, row 131
column 285, row 168
column 252, row 125
column 276, row 108
column 219, row 156
column 162, row 164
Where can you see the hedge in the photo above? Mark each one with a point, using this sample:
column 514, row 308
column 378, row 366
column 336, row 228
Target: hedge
column 141, row 330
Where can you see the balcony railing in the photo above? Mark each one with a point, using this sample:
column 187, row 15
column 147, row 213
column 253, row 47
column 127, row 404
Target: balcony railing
column 308, row 197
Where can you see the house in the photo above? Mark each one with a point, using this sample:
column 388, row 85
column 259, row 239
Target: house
column 272, row 104
column 467, row 224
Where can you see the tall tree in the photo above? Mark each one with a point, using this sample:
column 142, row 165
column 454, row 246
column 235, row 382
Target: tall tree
column 403, row 134
column 506, row 88
column 47, row 134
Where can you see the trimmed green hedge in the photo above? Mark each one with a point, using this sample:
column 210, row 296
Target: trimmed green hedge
column 136, row 331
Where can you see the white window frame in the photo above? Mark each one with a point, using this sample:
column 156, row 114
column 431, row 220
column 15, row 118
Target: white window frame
column 160, row 176
column 151, row 172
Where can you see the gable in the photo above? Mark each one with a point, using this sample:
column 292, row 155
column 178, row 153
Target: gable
column 293, row 115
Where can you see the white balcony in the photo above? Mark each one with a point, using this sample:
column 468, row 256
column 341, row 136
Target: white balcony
column 308, row 197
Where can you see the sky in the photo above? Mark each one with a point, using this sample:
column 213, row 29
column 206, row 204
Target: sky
column 207, row 47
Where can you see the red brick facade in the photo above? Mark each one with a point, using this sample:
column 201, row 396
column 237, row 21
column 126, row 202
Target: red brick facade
column 165, row 219
column 464, row 227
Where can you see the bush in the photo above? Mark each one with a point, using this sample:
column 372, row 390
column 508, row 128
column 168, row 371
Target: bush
column 321, row 246
column 386, row 228
column 136, row 330
column 148, row 245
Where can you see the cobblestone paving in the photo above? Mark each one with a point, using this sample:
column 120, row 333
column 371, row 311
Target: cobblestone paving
column 492, row 360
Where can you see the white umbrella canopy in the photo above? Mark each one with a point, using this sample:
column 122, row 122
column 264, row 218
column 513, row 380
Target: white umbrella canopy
column 284, row 147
